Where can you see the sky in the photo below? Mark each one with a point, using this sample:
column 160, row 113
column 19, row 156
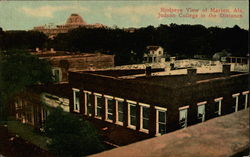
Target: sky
column 24, row 15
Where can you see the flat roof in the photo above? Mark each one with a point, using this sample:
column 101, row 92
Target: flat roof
column 163, row 81
column 67, row 53
column 223, row 136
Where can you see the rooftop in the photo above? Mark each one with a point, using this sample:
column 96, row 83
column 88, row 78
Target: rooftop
column 65, row 53
column 219, row 137
column 168, row 81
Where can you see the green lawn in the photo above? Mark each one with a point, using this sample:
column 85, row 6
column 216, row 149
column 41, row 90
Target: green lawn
column 27, row 132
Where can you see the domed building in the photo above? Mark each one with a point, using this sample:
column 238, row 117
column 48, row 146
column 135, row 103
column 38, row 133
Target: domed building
column 74, row 21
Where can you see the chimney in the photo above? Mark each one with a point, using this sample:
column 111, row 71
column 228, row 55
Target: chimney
column 226, row 68
column 191, row 75
column 171, row 66
column 52, row 50
column 172, row 59
column 37, row 49
column 148, row 71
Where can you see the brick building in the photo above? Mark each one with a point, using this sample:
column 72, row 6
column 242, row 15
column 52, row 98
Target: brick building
column 156, row 105
column 62, row 62
column 132, row 105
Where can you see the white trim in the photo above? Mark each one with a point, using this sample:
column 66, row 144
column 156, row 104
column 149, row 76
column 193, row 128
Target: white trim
column 235, row 95
column 74, row 101
column 204, row 112
column 201, row 103
column 86, row 103
column 144, row 130
column 245, row 92
column 75, row 89
column 157, row 119
column 144, row 105
column 59, row 73
column 183, row 107
column 218, row 99
column 108, row 96
column 96, row 105
column 141, row 117
column 131, row 127
column 97, row 94
column 160, row 108
column 131, row 102
column 129, row 119
column 118, row 99
column 85, row 91
column 246, row 101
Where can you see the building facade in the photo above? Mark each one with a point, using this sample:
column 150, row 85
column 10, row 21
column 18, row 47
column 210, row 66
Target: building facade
column 158, row 104
column 74, row 21
column 154, row 54
column 132, row 105
column 62, row 62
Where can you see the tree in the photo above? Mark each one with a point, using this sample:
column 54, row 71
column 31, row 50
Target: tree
column 70, row 135
column 19, row 70
column 24, row 40
column 1, row 39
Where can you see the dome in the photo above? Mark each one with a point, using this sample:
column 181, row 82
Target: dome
column 75, row 19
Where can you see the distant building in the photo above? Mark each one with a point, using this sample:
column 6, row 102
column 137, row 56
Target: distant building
column 130, row 29
column 237, row 63
column 74, row 21
column 62, row 62
column 154, row 54
column 157, row 104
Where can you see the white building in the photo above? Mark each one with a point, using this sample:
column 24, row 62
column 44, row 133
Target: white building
column 154, row 54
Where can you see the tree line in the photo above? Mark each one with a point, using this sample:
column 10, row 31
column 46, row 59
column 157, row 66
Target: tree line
column 177, row 40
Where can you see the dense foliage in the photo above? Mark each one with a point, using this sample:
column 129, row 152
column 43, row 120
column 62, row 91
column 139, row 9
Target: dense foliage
column 18, row 70
column 70, row 135
column 22, row 40
column 185, row 40
column 180, row 40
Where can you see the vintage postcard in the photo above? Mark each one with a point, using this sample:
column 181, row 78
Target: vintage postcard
column 124, row 78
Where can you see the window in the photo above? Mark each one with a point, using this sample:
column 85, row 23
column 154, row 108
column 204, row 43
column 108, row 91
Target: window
column 56, row 74
column 154, row 59
column 18, row 103
column 235, row 106
column 88, row 104
column 183, row 113
column 98, row 102
column 109, row 107
column 144, row 119
column 119, row 112
column 76, row 98
column 160, row 120
column 201, row 111
column 217, row 107
column 246, row 98
column 131, row 114
column 45, row 114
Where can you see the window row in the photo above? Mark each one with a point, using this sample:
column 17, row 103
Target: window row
column 201, row 111
column 113, row 108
